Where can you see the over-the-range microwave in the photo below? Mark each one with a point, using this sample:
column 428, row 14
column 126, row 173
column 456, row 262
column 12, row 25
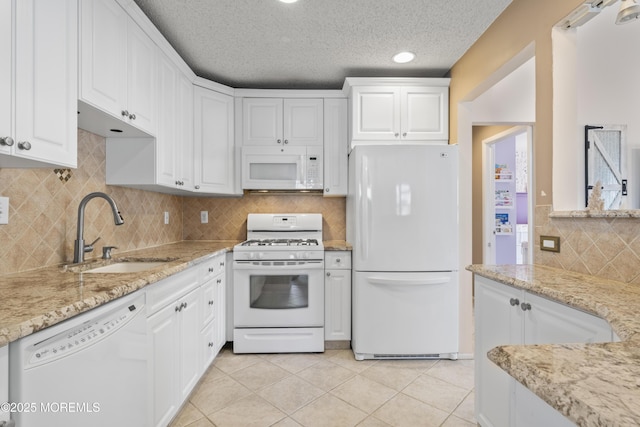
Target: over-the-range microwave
column 282, row 168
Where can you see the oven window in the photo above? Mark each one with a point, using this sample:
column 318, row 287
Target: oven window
column 280, row 291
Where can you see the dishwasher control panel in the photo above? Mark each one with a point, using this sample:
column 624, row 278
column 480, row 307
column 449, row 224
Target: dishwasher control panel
column 81, row 336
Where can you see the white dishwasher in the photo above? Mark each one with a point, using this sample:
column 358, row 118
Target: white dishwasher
column 90, row 370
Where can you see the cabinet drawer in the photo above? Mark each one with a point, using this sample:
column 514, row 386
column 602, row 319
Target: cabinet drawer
column 170, row 289
column 337, row 260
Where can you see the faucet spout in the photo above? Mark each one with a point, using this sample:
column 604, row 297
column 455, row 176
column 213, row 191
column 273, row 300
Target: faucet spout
column 79, row 248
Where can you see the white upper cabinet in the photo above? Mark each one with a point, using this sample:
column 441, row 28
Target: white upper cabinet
column 336, row 150
column 38, row 83
column 213, row 142
column 276, row 121
column 117, row 65
column 400, row 110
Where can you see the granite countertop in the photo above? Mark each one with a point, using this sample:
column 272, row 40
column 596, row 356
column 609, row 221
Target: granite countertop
column 36, row 299
column 591, row 384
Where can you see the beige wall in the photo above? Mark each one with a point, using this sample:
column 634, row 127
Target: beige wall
column 600, row 247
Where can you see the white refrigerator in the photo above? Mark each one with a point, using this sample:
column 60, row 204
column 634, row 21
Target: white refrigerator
column 402, row 221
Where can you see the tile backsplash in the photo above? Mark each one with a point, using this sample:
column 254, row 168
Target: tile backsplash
column 605, row 247
column 43, row 211
column 228, row 216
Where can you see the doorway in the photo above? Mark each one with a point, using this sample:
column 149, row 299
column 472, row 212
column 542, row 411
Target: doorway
column 507, row 199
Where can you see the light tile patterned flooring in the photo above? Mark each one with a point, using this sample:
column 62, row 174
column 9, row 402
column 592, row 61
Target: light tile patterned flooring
column 330, row 389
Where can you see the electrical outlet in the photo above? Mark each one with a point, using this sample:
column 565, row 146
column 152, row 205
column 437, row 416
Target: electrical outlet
column 166, row 217
column 4, row 210
column 550, row 243
column 204, row 217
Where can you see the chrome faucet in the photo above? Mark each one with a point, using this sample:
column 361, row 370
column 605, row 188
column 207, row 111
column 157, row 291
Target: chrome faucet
column 79, row 248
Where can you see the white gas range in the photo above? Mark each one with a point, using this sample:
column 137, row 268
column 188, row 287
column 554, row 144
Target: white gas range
column 279, row 285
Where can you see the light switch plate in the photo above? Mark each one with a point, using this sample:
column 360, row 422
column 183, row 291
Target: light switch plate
column 4, row 210
column 204, row 217
column 166, row 217
column 550, row 243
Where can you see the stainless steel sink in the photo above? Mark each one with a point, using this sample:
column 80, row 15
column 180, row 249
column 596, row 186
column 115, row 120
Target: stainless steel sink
column 120, row 265
column 125, row 267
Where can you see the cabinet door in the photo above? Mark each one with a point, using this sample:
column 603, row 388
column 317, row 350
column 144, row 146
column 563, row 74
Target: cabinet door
column 497, row 322
column 376, row 113
column 262, row 121
column 46, row 81
column 103, row 55
column 6, row 77
column 207, row 346
column 337, row 305
column 220, row 320
column 141, row 79
column 162, row 333
column 425, row 112
column 184, row 133
column 214, row 153
column 336, row 147
column 303, row 122
column 166, row 147
column 549, row 322
column 188, row 344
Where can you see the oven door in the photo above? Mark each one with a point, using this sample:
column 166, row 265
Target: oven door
column 279, row 294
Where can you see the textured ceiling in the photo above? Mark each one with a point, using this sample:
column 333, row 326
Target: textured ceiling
column 315, row 44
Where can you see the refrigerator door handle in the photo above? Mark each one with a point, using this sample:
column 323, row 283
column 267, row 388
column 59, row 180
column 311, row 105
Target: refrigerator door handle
column 408, row 282
column 365, row 202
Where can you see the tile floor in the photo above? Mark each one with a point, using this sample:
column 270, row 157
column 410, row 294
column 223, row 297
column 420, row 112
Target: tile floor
column 330, row 389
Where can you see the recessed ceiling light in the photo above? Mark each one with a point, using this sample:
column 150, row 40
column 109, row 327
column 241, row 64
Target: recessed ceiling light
column 288, row 1
column 404, row 57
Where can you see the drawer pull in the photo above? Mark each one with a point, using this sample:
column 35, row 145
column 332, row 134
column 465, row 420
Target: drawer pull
column 514, row 302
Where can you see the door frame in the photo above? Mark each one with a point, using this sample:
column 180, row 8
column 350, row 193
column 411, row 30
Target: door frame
column 488, row 187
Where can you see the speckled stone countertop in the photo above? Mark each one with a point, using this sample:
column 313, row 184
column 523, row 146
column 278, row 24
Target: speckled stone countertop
column 591, row 384
column 35, row 299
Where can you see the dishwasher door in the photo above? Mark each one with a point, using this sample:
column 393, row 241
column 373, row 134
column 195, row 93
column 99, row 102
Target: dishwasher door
column 90, row 370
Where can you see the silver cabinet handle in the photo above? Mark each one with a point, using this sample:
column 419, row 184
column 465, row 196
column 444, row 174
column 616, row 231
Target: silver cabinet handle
column 514, row 302
column 279, row 141
column 178, row 308
column 211, row 302
column 24, row 145
column 328, row 274
column 525, row 306
column 210, row 269
column 326, row 190
column 222, row 264
column 132, row 116
column 397, row 135
column 7, row 140
column 210, row 344
column 124, row 113
column 219, row 281
column 197, row 187
column 404, row 134
column 286, row 141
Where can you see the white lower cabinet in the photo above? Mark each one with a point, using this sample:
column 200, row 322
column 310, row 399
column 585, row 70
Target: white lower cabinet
column 185, row 314
column 506, row 315
column 212, row 323
column 337, row 296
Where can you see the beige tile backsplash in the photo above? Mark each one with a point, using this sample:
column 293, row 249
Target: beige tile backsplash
column 43, row 211
column 44, row 204
column 606, row 247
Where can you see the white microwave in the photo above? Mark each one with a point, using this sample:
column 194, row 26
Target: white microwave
column 282, row 168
